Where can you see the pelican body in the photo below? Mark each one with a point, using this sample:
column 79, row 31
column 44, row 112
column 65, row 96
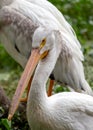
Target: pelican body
column 63, row 111
column 17, row 39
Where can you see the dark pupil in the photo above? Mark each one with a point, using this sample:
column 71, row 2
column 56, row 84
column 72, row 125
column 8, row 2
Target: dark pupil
column 43, row 40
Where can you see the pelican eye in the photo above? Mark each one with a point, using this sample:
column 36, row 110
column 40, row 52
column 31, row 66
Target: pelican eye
column 43, row 43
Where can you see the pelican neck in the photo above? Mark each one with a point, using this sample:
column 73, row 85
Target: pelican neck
column 42, row 73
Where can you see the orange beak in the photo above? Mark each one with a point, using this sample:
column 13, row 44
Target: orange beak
column 29, row 69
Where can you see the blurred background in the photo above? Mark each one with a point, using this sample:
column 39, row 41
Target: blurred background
column 79, row 13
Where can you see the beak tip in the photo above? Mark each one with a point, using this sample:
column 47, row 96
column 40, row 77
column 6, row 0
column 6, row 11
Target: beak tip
column 9, row 117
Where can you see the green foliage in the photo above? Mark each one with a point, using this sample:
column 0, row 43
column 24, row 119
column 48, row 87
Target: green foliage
column 5, row 124
column 18, row 123
column 6, row 62
column 80, row 15
column 59, row 88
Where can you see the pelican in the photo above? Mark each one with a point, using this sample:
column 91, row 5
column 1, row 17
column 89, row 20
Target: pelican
column 18, row 22
column 62, row 111
column 18, row 43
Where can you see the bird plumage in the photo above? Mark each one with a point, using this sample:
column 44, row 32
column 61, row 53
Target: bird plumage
column 63, row 111
column 19, row 45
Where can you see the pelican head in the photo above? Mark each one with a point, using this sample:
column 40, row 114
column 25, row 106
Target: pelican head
column 44, row 39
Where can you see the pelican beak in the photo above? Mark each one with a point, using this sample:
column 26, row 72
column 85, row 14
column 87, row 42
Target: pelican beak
column 29, row 69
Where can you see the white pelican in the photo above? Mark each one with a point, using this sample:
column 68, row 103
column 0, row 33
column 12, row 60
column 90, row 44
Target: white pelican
column 17, row 38
column 63, row 111
column 19, row 21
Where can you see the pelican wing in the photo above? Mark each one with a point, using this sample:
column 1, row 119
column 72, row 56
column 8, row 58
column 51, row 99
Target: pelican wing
column 50, row 17
column 16, row 32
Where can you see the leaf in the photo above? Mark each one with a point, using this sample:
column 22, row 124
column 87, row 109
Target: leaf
column 6, row 124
